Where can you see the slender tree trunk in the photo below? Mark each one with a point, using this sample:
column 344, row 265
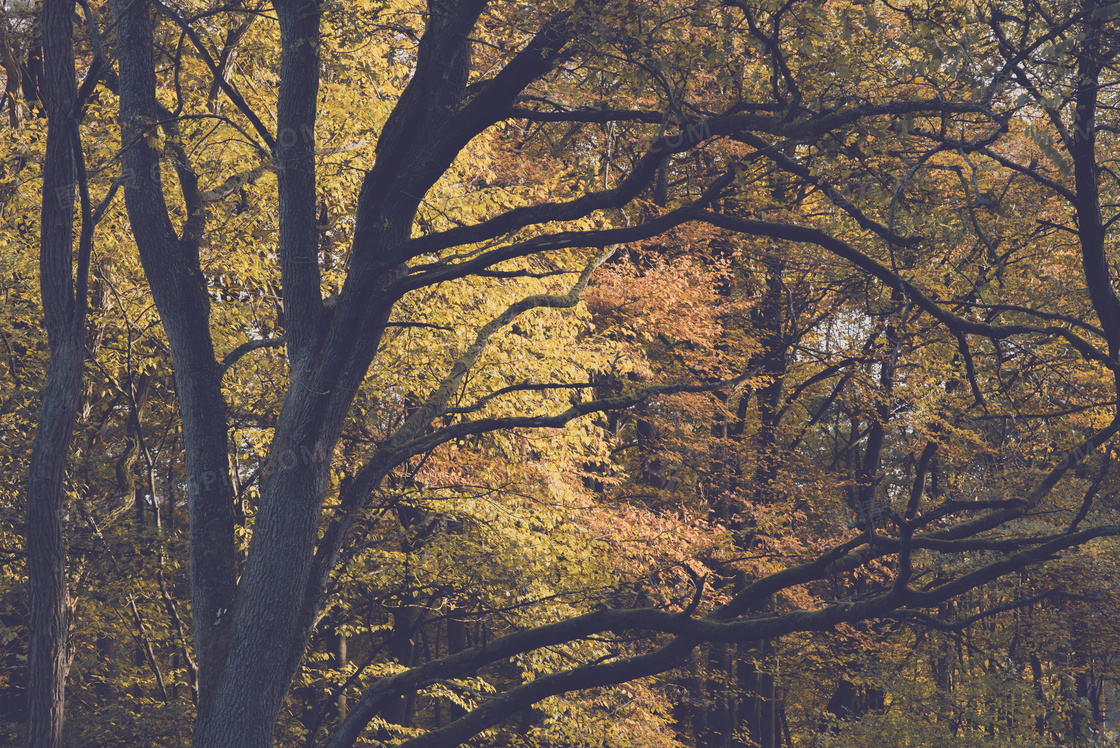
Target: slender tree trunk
column 722, row 697
column 173, row 270
column 768, row 734
column 46, row 550
column 65, row 313
column 751, row 709
column 339, row 660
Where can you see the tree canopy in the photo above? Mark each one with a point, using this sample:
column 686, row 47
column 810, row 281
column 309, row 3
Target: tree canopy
column 585, row 372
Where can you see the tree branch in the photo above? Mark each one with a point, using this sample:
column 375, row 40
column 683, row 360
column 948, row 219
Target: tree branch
column 877, row 270
column 233, row 356
column 722, row 625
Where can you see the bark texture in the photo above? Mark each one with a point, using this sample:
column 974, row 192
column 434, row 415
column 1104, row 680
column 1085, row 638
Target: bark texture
column 65, row 313
column 171, row 265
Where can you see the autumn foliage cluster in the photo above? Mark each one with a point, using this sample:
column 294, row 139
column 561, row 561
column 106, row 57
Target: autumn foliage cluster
column 574, row 373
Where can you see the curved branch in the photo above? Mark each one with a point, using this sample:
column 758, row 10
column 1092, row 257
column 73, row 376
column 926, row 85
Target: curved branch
column 687, row 136
column 436, row 273
column 862, row 219
column 233, row 356
column 874, row 268
column 1050, row 316
column 719, row 626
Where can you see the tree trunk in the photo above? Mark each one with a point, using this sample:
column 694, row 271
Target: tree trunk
column 65, row 314
column 172, row 267
column 721, row 698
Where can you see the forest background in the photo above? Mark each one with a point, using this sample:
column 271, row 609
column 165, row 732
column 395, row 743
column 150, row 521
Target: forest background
column 576, row 373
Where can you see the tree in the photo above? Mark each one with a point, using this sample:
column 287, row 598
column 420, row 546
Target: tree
column 64, row 298
column 520, row 147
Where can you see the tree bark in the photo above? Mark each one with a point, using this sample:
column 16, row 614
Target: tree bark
column 172, row 267
column 65, row 313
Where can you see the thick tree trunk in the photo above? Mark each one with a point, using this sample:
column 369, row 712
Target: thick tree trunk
column 65, row 321
column 251, row 635
column 281, row 588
